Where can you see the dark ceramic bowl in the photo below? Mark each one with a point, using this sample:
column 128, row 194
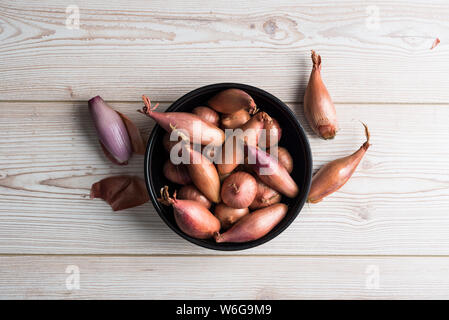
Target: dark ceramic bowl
column 293, row 138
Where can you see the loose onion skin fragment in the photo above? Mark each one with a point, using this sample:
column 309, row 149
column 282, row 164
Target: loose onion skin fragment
column 207, row 114
column 191, row 216
column 238, row 190
column 232, row 100
column 187, row 122
column 255, row 225
column 335, row 174
column 190, row 192
column 228, row 216
column 121, row 192
column 176, row 173
column 111, row 130
column 235, row 120
column 318, row 106
column 265, row 196
column 271, row 172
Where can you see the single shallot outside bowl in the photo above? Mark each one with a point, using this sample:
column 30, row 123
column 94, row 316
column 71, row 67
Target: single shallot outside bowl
column 293, row 138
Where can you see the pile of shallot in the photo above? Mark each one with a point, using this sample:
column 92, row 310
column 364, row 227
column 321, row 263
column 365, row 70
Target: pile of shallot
column 225, row 159
column 231, row 174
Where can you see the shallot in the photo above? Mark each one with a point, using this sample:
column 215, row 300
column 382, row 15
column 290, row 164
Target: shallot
column 255, row 225
column 176, row 173
column 111, row 130
column 228, row 215
column 284, row 157
column 235, row 120
column 187, row 122
column 232, row 100
column 207, row 114
column 121, row 192
column 335, row 174
column 271, row 172
column 238, row 190
column 191, row 216
column 318, row 106
column 190, row 192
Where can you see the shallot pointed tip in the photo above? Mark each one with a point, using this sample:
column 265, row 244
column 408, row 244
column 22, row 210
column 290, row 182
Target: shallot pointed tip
column 218, row 237
column 316, row 59
column 367, row 144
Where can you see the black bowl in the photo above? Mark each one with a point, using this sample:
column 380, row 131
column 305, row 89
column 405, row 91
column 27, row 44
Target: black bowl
column 293, row 138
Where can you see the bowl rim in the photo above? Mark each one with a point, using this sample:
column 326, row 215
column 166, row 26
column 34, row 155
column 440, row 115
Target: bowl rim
column 153, row 192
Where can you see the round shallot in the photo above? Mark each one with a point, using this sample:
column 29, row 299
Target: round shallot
column 238, row 190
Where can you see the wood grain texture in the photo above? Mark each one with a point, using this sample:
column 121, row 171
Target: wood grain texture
column 395, row 204
column 167, row 48
column 37, row 277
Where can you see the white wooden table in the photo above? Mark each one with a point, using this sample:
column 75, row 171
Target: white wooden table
column 385, row 234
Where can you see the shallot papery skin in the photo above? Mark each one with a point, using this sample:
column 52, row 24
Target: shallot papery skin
column 232, row 100
column 190, row 192
column 207, row 114
column 203, row 174
column 318, row 106
column 238, row 190
column 121, row 192
column 235, row 120
column 255, row 225
column 271, row 135
column 271, row 172
column 197, row 129
column 111, row 130
column 228, row 215
column 176, row 173
column 191, row 217
column 335, row 174
column 134, row 134
column 265, row 196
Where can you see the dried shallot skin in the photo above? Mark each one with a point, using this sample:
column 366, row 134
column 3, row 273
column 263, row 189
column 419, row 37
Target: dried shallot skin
column 335, row 174
column 318, row 106
column 121, row 192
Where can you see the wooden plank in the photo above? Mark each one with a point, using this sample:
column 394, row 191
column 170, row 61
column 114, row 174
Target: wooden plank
column 396, row 203
column 44, row 277
column 167, row 48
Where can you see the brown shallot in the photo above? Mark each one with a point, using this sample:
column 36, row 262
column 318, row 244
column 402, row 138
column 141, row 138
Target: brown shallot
column 284, row 157
column 228, row 215
column 187, row 122
column 121, row 192
column 271, row 172
column 255, row 225
column 235, row 120
column 318, row 106
column 232, row 100
column 207, row 114
column 176, row 173
column 190, row 192
column 191, row 216
column 335, row 174
column 238, row 190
